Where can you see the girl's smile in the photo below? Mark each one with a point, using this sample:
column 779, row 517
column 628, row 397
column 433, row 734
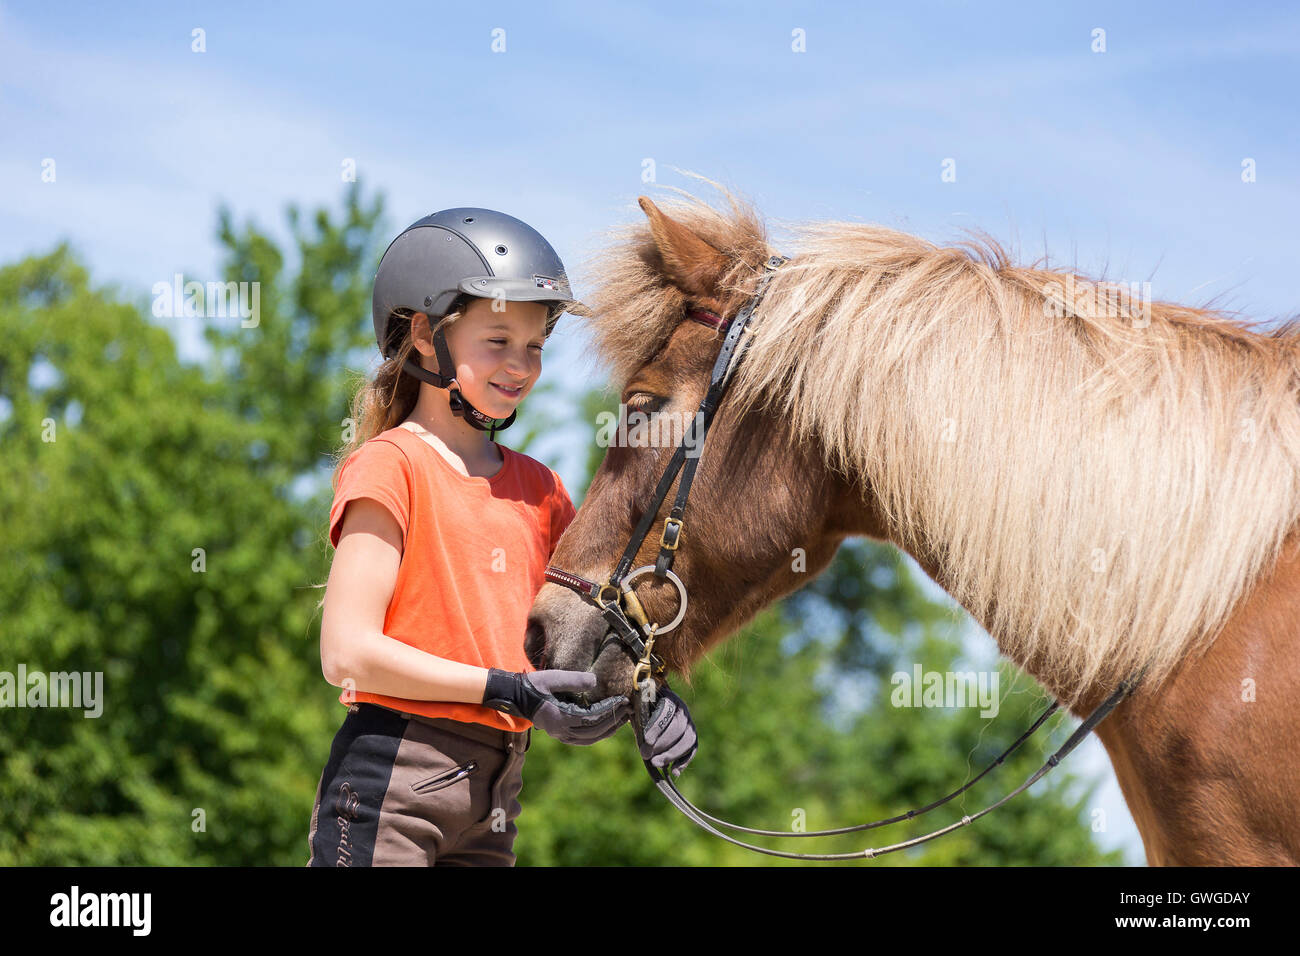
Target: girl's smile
column 508, row 392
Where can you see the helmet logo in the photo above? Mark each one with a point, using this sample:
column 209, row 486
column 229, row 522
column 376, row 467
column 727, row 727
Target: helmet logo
column 545, row 282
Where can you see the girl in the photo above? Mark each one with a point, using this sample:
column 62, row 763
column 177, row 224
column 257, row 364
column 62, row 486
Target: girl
column 441, row 539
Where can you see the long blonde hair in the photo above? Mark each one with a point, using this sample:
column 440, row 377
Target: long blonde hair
column 388, row 399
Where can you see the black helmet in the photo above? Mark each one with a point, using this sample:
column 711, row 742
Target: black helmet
column 465, row 252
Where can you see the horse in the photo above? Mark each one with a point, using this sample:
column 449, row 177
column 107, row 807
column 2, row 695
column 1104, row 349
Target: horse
column 1107, row 484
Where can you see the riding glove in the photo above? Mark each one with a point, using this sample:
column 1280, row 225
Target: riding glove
column 669, row 733
column 532, row 696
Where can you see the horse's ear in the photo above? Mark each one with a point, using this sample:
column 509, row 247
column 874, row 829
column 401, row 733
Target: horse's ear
column 690, row 263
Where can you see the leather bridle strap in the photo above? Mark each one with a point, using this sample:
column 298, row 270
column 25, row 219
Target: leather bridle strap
column 663, row 781
column 734, row 345
column 606, row 596
column 619, row 626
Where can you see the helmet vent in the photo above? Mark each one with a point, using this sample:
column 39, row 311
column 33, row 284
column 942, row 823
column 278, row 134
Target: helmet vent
column 501, row 250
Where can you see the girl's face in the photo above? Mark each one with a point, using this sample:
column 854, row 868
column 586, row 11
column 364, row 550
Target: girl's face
column 498, row 354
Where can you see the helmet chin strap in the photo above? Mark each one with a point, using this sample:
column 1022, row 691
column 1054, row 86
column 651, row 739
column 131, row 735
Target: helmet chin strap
column 445, row 377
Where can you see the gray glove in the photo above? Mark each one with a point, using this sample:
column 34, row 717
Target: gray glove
column 669, row 733
column 533, row 696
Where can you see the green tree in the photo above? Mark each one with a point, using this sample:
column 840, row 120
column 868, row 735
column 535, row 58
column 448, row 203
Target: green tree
column 164, row 523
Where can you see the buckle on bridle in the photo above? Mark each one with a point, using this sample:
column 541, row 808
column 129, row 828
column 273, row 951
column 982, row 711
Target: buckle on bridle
column 599, row 596
column 675, row 526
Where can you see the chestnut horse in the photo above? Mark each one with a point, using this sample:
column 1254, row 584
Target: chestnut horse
column 1108, row 485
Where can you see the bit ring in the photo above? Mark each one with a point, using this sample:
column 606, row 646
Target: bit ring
column 681, row 591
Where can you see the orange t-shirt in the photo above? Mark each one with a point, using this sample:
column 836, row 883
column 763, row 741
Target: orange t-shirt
column 474, row 555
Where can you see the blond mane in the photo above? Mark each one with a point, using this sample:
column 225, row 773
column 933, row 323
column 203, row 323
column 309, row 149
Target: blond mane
column 1098, row 479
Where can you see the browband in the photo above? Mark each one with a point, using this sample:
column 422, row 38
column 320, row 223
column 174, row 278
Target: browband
column 705, row 317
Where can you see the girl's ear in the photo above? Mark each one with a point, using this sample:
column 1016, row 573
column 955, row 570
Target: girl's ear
column 422, row 333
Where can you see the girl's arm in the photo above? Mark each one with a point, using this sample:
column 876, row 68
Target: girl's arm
column 353, row 645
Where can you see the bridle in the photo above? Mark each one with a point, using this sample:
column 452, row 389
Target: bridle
column 630, row 627
column 615, row 597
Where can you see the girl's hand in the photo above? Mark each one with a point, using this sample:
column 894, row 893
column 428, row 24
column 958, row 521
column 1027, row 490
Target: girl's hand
column 669, row 733
column 533, row 696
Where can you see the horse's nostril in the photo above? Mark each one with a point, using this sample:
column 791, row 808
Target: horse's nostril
column 535, row 644
column 582, row 700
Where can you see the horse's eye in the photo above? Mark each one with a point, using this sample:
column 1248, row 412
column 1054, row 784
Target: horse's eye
column 642, row 401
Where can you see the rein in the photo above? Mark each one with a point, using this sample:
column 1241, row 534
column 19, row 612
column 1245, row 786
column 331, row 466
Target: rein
column 630, row 627
column 663, row 781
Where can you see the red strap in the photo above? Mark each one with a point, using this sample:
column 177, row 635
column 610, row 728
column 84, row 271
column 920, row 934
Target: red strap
column 705, row 317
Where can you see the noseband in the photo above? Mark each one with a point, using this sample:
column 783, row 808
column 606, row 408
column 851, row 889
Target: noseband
column 630, row 627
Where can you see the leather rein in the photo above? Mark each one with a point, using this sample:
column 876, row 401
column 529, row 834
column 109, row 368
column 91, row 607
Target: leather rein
column 630, row 627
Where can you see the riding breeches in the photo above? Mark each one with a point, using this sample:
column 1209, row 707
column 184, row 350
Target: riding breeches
column 406, row 790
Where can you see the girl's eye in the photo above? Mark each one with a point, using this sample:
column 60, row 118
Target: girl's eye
column 503, row 342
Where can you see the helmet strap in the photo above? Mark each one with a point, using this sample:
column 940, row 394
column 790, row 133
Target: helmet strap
column 445, row 377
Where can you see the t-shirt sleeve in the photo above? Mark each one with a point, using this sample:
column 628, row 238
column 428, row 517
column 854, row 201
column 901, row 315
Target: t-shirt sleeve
column 562, row 512
column 378, row 470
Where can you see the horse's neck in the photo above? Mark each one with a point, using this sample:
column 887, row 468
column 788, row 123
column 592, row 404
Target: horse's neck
column 1205, row 760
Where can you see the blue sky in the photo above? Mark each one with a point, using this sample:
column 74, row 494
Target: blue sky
column 1127, row 161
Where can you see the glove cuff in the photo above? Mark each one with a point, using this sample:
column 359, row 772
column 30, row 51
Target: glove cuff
column 504, row 692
